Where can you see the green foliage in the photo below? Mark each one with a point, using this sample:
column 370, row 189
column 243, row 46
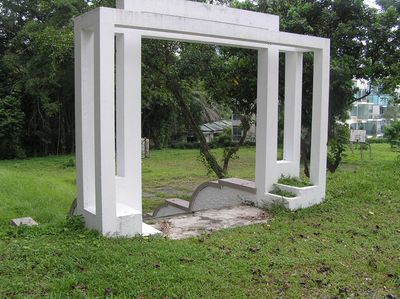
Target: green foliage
column 75, row 223
column 377, row 140
column 392, row 132
column 11, row 124
column 277, row 191
column 386, row 4
column 294, row 181
column 36, row 66
column 364, row 44
column 337, row 146
column 69, row 163
column 222, row 140
column 203, row 160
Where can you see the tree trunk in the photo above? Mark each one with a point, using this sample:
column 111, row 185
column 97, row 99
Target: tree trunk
column 233, row 150
column 176, row 90
column 305, row 154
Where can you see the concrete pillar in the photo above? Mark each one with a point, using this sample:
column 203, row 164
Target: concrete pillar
column 293, row 104
column 84, row 115
column 104, row 119
column 128, row 105
column 319, row 133
column 267, row 120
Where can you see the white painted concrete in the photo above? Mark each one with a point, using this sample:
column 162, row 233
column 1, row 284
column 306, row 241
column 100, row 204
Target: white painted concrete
column 202, row 11
column 220, row 197
column 108, row 158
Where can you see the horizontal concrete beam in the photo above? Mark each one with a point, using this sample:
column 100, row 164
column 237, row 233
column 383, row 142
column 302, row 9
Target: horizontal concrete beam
column 209, row 40
column 202, row 11
column 196, row 30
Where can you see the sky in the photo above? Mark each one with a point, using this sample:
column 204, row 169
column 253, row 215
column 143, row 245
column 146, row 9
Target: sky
column 371, row 3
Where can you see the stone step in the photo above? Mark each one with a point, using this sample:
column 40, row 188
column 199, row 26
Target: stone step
column 211, row 195
column 172, row 206
column 240, row 184
column 178, row 203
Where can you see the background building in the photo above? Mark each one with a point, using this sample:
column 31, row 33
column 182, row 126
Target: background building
column 373, row 112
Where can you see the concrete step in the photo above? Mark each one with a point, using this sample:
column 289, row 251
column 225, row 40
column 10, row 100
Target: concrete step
column 211, row 195
column 179, row 203
column 240, row 184
column 172, row 206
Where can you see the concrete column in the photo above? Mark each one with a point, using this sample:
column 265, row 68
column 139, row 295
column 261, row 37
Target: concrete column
column 128, row 105
column 319, row 134
column 104, row 108
column 84, row 114
column 267, row 120
column 293, row 101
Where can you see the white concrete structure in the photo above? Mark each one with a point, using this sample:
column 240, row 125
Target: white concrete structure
column 108, row 145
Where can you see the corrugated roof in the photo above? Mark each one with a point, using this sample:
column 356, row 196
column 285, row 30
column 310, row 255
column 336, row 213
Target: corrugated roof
column 218, row 126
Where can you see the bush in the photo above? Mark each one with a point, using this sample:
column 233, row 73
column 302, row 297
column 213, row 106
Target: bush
column 11, row 124
column 337, row 146
column 392, row 132
column 377, row 140
column 69, row 163
column 250, row 143
column 185, row 145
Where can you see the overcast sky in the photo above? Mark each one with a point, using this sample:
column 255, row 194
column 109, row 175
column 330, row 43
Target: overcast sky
column 369, row 2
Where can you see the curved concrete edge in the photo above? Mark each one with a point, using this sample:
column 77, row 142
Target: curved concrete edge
column 226, row 193
column 212, row 184
column 211, row 195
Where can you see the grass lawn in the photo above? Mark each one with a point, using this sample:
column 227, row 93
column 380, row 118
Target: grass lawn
column 348, row 246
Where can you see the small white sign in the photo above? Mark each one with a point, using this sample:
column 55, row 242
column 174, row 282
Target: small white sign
column 358, row 136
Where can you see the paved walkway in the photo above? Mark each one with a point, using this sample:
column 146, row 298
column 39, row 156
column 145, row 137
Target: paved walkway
column 192, row 225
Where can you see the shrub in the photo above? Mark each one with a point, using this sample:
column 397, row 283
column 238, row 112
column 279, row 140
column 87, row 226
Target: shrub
column 377, row 140
column 70, row 163
column 392, row 132
column 337, row 146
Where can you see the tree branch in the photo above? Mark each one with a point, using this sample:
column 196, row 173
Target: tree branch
column 364, row 96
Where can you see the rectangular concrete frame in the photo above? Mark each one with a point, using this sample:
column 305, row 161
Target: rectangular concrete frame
column 109, row 177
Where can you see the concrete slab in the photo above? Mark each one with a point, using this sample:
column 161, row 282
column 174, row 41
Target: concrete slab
column 192, row 225
column 28, row 221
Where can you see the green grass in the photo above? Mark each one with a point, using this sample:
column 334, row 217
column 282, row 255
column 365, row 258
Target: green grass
column 346, row 247
column 294, row 181
column 281, row 192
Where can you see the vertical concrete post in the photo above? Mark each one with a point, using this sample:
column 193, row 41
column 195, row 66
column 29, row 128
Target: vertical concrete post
column 293, row 103
column 267, row 120
column 104, row 107
column 128, row 104
column 84, row 115
column 319, row 134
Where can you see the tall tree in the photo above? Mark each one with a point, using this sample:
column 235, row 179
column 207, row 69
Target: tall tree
column 386, row 4
column 364, row 44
